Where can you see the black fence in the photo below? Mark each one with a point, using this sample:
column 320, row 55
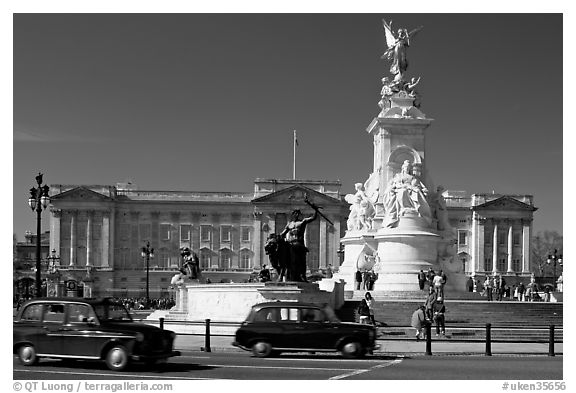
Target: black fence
column 543, row 334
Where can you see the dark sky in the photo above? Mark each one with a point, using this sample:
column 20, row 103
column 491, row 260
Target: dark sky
column 208, row 102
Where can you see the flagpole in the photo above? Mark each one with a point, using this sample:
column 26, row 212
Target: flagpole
column 294, row 159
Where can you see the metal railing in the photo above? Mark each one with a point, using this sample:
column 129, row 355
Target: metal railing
column 487, row 338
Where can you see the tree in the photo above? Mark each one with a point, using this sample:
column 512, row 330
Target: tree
column 543, row 245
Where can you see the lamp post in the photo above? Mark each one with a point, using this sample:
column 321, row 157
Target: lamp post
column 554, row 259
column 38, row 199
column 147, row 253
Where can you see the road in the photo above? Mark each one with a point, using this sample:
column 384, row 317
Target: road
column 242, row 366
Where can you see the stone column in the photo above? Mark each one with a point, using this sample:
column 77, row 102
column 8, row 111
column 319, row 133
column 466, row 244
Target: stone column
column 55, row 231
column 73, row 215
column 526, row 246
column 510, row 249
column 322, row 240
column 105, row 236
column 495, row 248
column 89, row 213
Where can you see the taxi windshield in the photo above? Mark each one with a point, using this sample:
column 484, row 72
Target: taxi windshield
column 112, row 312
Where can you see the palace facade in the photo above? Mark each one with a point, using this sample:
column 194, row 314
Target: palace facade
column 98, row 233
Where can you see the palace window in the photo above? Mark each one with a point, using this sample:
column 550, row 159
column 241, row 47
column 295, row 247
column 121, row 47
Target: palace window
column 204, row 259
column 165, row 231
column 501, row 238
column 245, row 234
column 124, row 231
column 517, row 265
column 462, row 238
column 225, row 260
column 205, row 233
column 225, row 231
column 245, row 260
column 185, row 232
column 145, row 232
column 516, row 239
column 501, row 266
column 487, row 264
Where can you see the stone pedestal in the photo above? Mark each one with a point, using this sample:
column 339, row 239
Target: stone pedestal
column 232, row 302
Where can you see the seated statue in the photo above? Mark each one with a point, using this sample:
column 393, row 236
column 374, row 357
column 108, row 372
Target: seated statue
column 405, row 193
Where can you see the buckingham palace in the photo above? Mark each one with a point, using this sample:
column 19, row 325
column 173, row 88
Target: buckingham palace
column 98, row 232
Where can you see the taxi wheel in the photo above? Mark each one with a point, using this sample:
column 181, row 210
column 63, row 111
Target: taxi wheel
column 261, row 349
column 352, row 349
column 27, row 355
column 117, row 358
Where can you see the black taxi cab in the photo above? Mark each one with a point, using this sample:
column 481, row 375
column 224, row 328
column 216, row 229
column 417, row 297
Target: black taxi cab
column 275, row 327
column 90, row 329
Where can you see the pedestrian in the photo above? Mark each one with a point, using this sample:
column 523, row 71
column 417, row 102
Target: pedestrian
column 488, row 288
column 372, row 277
column 438, row 286
column 421, row 279
column 439, row 310
column 546, row 294
column 429, row 304
column 500, row 288
column 470, row 284
column 370, row 302
column 358, row 278
column 264, row 275
column 329, row 272
column 528, row 293
column 430, row 276
column 515, row 292
column 363, row 312
column 365, row 279
column 521, row 291
column 419, row 322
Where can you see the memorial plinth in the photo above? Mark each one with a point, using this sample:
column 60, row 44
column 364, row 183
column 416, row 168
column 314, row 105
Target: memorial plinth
column 231, row 302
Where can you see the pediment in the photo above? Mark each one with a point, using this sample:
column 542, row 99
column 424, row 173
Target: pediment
column 296, row 195
column 80, row 194
column 505, row 203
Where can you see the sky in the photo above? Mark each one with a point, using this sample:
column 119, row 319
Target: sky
column 209, row 102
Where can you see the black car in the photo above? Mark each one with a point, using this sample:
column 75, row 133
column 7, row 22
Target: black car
column 275, row 327
column 97, row 329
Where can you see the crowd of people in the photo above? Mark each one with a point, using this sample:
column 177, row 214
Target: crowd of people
column 433, row 310
column 140, row 303
column 365, row 280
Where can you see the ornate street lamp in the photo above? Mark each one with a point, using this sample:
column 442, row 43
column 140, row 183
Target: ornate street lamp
column 38, row 199
column 554, row 259
column 147, row 253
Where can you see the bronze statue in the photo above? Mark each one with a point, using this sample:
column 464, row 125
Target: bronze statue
column 191, row 265
column 293, row 234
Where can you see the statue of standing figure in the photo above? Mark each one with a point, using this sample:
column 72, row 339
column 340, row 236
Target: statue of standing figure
column 397, row 48
column 405, row 193
column 293, row 235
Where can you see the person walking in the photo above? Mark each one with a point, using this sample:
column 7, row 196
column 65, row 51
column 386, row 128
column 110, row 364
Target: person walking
column 363, row 312
column 429, row 304
column 419, row 322
column 521, row 291
column 438, row 286
column 488, row 288
column 371, row 303
column 421, row 279
column 439, row 319
column 358, row 278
